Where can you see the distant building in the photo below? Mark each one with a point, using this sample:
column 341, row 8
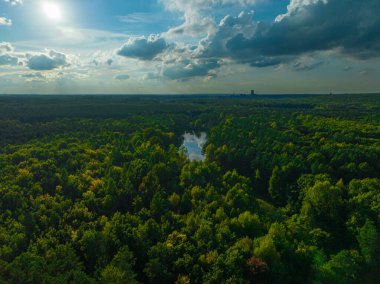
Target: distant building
column 253, row 93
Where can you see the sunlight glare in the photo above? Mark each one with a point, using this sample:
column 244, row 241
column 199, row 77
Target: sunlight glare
column 52, row 10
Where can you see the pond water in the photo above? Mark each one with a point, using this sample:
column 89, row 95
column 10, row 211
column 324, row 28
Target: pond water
column 194, row 144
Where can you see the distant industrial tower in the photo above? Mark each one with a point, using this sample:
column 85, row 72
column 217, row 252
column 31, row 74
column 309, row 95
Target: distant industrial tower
column 253, row 93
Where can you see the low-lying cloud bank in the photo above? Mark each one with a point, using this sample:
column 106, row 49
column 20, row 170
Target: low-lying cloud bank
column 122, row 77
column 37, row 61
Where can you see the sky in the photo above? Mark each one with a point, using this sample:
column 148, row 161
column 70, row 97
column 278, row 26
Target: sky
column 189, row 46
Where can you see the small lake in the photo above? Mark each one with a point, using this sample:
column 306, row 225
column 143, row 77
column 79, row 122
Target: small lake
column 194, row 145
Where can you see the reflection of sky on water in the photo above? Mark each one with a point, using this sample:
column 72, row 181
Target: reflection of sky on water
column 194, row 145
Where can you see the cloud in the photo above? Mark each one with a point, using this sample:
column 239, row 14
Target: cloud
column 34, row 77
column 5, row 22
column 46, row 61
column 231, row 40
column 184, row 69
column 306, row 63
column 197, row 15
column 141, row 18
column 194, row 26
column 6, row 56
column 151, row 76
column 14, row 2
column 143, row 48
column 180, row 62
column 122, row 77
column 58, row 77
column 198, row 5
column 5, row 47
column 6, row 59
column 351, row 26
column 347, row 27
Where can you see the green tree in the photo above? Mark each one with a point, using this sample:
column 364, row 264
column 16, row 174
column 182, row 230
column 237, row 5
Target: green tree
column 120, row 270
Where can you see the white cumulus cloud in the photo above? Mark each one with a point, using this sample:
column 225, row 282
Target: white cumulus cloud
column 14, row 2
column 46, row 61
column 5, row 22
column 6, row 56
column 197, row 15
column 143, row 48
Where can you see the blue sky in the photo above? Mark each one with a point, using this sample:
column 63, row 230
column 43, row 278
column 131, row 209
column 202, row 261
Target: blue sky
column 189, row 46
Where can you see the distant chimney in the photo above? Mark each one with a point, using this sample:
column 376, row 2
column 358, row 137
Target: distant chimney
column 252, row 92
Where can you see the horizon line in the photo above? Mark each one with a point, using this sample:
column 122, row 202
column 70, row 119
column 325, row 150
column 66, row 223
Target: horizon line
column 196, row 94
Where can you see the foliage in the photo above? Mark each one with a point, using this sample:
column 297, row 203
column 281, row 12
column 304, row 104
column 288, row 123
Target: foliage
column 96, row 190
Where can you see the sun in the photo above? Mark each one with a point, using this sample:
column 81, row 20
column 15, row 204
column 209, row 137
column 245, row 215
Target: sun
column 52, row 10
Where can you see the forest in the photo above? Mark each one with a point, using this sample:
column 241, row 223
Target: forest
column 98, row 189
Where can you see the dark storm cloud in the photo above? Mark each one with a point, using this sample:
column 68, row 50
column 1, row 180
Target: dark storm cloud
column 350, row 27
column 143, row 48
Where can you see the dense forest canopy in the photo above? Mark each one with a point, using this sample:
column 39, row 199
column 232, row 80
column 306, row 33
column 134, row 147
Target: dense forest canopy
column 96, row 189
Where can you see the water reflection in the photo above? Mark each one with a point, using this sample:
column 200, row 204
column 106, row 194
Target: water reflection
column 194, row 145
